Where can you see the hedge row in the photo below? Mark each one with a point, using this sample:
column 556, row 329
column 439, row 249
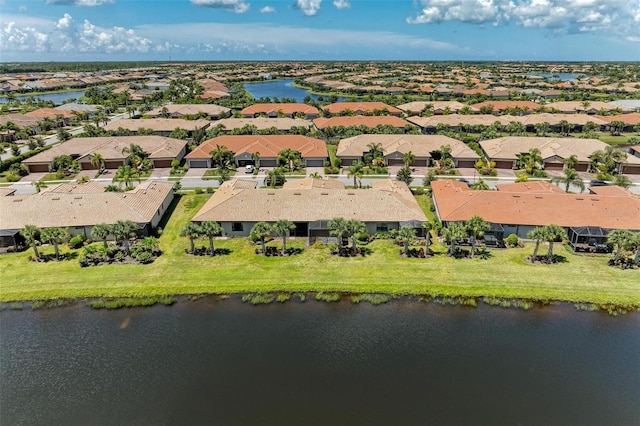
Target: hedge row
column 5, row 164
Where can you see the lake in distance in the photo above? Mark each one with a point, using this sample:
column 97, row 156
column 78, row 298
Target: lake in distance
column 406, row 362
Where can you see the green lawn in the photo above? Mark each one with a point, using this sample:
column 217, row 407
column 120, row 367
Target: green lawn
column 580, row 279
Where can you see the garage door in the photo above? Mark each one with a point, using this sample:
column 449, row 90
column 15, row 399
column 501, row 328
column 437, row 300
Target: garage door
column 198, row 164
column 268, row 163
column 466, row 164
column 395, row 162
column 161, row 163
column 112, row 164
column 553, row 166
column 581, row 167
column 38, row 168
column 504, row 164
column 632, row 170
column 315, row 163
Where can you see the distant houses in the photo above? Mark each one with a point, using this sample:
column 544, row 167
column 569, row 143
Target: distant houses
column 158, row 126
column 275, row 110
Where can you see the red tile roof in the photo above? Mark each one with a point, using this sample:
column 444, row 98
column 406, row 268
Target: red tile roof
column 339, row 107
column 267, row 145
column 286, row 108
column 502, row 105
column 360, row 120
column 456, row 202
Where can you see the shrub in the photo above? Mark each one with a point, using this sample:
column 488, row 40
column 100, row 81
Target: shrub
column 328, row 297
column 77, row 241
column 319, row 245
column 418, row 191
column 198, row 190
column 512, row 240
column 209, row 190
column 144, row 257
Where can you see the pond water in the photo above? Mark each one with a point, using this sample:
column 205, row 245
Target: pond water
column 56, row 98
column 313, row 363
column 558, row 76
column 279, row 89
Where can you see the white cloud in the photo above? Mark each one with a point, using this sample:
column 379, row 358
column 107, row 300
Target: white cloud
column 308, row 7
column 67, row 36
column 341, row 4
column 267, row 9
column 88, row 3
column 238, row 6
column 615, row 17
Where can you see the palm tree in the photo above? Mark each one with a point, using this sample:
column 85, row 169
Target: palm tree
column 122, row 230
column 97, row 160
column 193, row 231
column 210, row 229
column 570, row 178
column 480, row 185
column 357, row 171
column 619, row 238
column 622, row 180
column 135, row 154
column 126, row 174
column 553, row 233
column 606, row 160
column 355, row 227
column 533, row 160
column 375, row 150
column 537, row 234
column 405, row 235
column 404, row 175
column 427, row 227
column 453, row 232
column 260, row 231
column 282, row 228
column 31, row 234
column 101, row 231
column 289, row 157
column 55, row 236
column 38, row 185
column 542, row 128
column 408, row 158
column 571, row 161
column 221, row 156
column 339, row 227
column 255, row 156
column 634, row 244
column 477, row 226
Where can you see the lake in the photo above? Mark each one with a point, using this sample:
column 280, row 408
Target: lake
column 558, row 76
column 56, row 98
column 279, row 89
column 313, row 363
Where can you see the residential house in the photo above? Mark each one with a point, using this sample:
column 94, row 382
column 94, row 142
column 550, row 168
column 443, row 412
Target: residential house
column 361, row 108
column 245, row 147
column 360, row 120
column 436, row 107
column 310, row 205
column 394, row 147
column 274, row 110
column 162, row 151
column 159, row 126
column 261, row 123
column 187, row 111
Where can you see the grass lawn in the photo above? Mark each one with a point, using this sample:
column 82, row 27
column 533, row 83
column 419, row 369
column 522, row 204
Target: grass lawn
column 621, row 140
column 580, row 279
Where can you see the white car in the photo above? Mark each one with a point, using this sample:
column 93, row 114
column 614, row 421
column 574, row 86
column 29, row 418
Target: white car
column 248, row 168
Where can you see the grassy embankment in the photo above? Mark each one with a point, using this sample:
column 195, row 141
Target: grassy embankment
column 506, row 275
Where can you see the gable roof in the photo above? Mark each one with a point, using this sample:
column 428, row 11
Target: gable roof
column 418, row 106
column 511, row 146
column 420, row 145
column 360, row 120
column 339, row 107
column 190, row 109
column 262, row 123
column 502, row 105
column 286, row 108
column 455, row 201
column 387, row 201
column 75, row 205
column 157, row 124
column 267, row 145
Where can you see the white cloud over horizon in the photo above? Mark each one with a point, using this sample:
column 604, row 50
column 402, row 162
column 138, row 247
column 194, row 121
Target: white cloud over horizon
column 267, row 9
column 237, row 6
column 563, row 16
column 87, row 3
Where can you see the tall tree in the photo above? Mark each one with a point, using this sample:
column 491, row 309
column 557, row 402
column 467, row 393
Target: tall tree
column 570, row 178
column 477, row 226
column 453, row 232
column 101, row 231
column 97, row 160
column 404, row 175
column 260, row 231
column 191, row 230
column 355, row 227
column 282, row 228
column 125, row 175
column 427, row 227
column 210, row 229
column 222, row 156
column 31, row 234
column 619, row 238
column 553, row 233
column 135, row 154
column 607, row 160
column 405, row 235
column 338, row 227
column 122, row 230
column 408, row 158
column 538, row 235
column 357, row 171
column 55, row 236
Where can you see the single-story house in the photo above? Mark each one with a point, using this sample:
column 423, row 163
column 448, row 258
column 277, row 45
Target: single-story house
column 370, row 121
column 505, row 151
column 273, row 110
column 630, row 121
column 209, row 111
column 394, row 147
column 244, row 147
column 520, row 207
column 361, row 108
column 61, row 117
column 22, row 121
column 79, row 207
column 584, row 107
column 237, row 205
column 430, row 124
column 159, row 126
column 162, row 151
column 262, row 123
column 498, row 107
column 436, row 107
column 82, row 110
column 635, row 151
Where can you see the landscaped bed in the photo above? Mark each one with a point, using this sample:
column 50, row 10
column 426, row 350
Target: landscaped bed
column 584, row 279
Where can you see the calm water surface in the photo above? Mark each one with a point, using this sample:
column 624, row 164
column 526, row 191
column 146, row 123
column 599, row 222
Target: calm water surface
column 279, row 89
column 403, row 363
column 56, row 98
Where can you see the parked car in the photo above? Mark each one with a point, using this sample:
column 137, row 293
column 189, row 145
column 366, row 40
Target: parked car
column 248, row 168
column 598, row 182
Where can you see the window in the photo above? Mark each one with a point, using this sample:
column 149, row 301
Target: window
column 236, row 227
column 381, row 227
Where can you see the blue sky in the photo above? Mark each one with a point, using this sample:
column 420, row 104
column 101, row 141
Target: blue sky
column 90, row 30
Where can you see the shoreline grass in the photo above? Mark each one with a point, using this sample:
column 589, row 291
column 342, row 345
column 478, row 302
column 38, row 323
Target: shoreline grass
column 582, row 279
